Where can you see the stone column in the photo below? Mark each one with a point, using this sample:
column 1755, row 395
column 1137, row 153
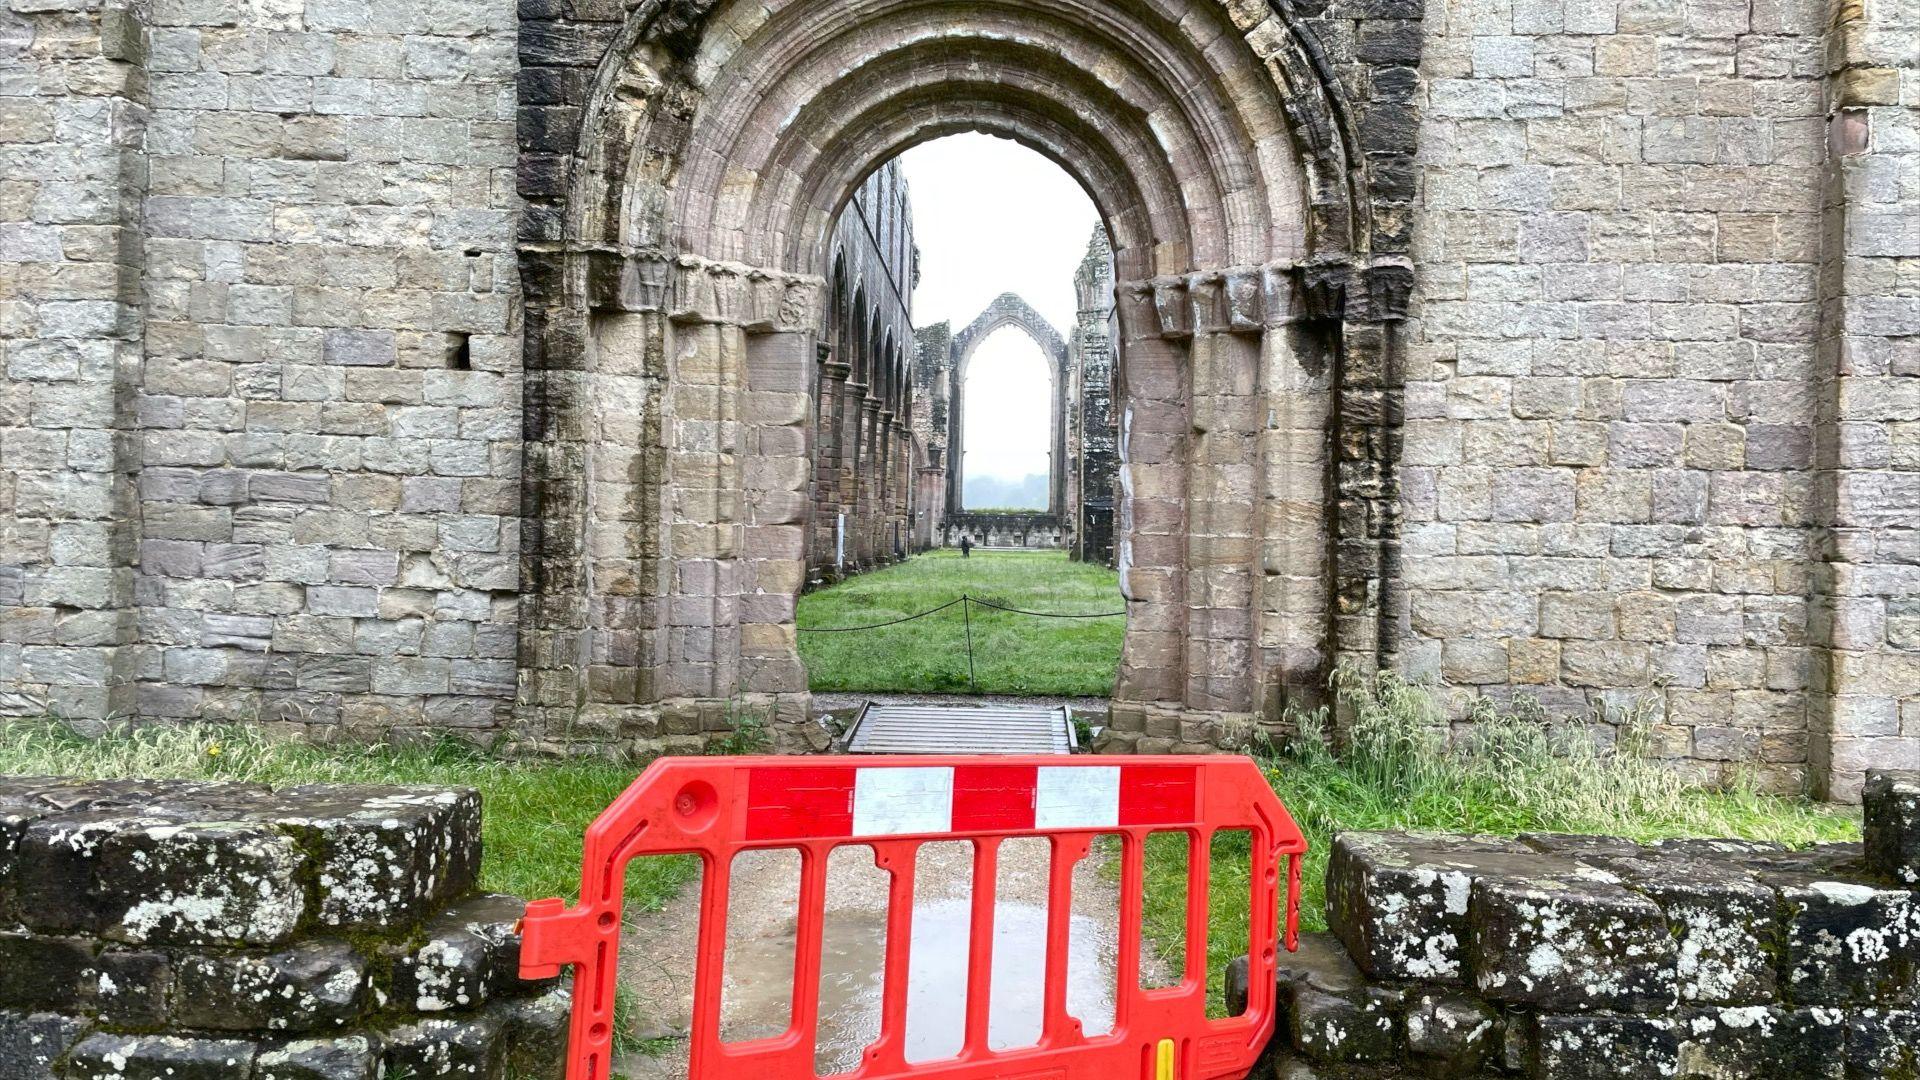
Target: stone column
column 832, row 406
column 72, row 248
column 1151, row 532
column 1223, row 474
column 872, row 462
column 1866, row 678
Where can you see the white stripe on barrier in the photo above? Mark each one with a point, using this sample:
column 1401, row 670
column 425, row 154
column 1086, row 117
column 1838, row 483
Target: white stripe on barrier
column 1077, row 798
column 891, row 802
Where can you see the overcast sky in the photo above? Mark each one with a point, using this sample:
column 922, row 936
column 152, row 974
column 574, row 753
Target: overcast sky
column 992, row 216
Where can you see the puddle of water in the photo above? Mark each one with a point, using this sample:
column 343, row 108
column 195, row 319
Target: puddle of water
column 937, row 994
column 757, row 991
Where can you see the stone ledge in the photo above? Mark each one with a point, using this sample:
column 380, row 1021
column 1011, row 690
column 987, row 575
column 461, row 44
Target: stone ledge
column 1570, row 958
column 172, row 930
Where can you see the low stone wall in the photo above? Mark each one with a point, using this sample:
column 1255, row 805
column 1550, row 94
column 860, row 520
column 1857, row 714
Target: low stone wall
column 172, row 930
column 1580, row 958
column 1137, row 728
column 1035, row 530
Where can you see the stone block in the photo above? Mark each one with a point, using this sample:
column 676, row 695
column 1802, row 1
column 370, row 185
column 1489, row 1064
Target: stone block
column 1602, row 1046
column 1450, row 1033
column 1399, row 902
column 1333, row 1014
column 466, row 1047
column 1570, row 941
column 151, row 879
column 383, row 855
column 536, row 1030
column 1891, row 812
column 350, row 1057
column 471, row 953
column 1846, row 942
column 1882, row 1044
column 1722, row 922
column 314, row 986
column 1755, row 1042
column 32, row 1043
column 160, row 1057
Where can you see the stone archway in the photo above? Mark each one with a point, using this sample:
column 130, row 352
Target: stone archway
column 1008, row 310
column 683, row 189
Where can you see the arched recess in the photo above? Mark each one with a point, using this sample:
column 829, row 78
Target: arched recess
column 676, row 300
column 1009, row 310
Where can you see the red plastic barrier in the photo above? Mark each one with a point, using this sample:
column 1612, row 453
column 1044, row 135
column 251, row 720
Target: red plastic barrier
column 718, row 807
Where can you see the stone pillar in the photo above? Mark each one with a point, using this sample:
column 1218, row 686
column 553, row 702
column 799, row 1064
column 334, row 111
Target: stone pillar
column 829, row 459
column 71, row 258
column 1223, row 482
column 1151, row 532
column 872, row 461
column 1866, row 682
column 885, row 471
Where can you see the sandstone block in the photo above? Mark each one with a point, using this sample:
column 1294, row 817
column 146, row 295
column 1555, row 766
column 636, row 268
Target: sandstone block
column 385, row 854
column 1881, row 1043
column 1891, row 806
column 1399, row 902
column 314, row 986
column 466, row 1047
column 470, row 954
column 31, row 1043
column 1846, row 942
column 351, row 1057
column 1602, row 1046
column 160, row 1057
column 151, row 879
column 1452, row 1034
column 1333, row 1013
column 1722, row 923
column 1570, row 941
column 1760, row 1042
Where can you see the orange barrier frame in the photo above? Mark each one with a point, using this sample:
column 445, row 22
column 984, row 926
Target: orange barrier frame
column 719, row 807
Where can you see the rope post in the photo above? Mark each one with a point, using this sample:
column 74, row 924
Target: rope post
column 966, row 612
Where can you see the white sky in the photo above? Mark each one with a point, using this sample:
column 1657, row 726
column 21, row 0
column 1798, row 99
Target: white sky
column 991, row 216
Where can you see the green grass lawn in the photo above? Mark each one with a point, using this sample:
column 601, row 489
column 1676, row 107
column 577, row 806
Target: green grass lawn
column 1013, row 654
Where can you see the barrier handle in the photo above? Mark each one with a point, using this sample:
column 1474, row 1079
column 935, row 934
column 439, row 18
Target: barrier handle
column 552, row 937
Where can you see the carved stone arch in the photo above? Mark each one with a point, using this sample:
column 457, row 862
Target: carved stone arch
column 675, row 255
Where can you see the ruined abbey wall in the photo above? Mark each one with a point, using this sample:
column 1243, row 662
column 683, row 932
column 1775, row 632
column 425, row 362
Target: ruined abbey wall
column 458, row 365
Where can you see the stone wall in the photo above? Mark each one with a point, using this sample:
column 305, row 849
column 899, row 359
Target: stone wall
column 223, row 931
column 1660, row 371
column 1583, row 958
column 459, row 366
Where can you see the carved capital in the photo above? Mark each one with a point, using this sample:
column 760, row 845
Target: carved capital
column 1239, row 299
column 692, row 289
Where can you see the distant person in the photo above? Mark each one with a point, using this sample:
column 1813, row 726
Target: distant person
column 966, row 547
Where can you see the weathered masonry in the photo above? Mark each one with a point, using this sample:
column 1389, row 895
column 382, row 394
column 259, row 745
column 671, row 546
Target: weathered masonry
column 224, row 931
column 403, row 365
column 1591, row 958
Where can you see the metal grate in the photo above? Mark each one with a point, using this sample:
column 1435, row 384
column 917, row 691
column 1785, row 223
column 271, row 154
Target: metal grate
column 961, row 729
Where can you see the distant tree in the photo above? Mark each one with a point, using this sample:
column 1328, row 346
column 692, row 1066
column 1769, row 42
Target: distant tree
column 1027, row 493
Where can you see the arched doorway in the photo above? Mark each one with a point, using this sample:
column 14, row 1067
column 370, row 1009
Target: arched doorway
column 677, row 284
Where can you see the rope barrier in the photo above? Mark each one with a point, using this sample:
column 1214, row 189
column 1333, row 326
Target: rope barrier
column 878, row 625
column 1043, row 614
column 964, row 598
column 966, row 601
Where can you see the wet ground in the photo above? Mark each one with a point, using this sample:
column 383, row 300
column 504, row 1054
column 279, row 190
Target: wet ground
column 657, row 956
